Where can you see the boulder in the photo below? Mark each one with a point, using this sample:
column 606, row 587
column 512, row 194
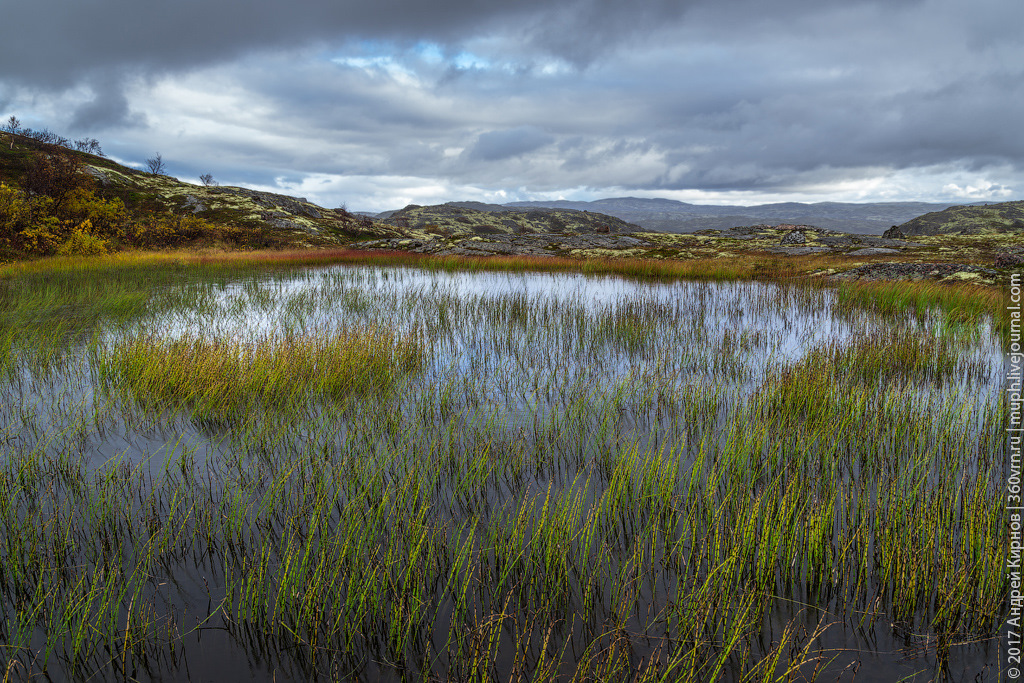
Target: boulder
column 794, row 237
column 873, row 251
column 894, row 233
column 193, row 202
column 1008, row 260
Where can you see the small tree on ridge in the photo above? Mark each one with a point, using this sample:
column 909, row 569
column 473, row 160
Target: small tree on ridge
column 156, row 164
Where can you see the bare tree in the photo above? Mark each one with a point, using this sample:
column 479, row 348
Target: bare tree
column 90, row 145
column 156, row 164
column 57, row 175
column 12, row 126
column 207, row 180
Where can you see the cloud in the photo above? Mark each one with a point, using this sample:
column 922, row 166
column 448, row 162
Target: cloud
column 738, row 97
column 504, row 144
column 107, row 107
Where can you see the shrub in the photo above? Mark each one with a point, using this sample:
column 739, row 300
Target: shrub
column 15, row 211
column 83, row 243
column 56, row 176
column 42, row 237
column 108, row 217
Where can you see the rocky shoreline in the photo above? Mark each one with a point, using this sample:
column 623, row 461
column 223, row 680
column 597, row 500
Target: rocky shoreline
column 980, row 260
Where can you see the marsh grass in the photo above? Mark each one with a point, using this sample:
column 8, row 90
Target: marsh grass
column 960, row 305
column 222, row 379
column 441, row 484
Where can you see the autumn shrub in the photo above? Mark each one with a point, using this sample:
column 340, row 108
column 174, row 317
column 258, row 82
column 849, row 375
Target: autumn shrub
column 41, row 238
column 15, row 211
column 106, row 217
column 166, row 231
column 83, row 242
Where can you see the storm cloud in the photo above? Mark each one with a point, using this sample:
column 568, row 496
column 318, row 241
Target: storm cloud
column 380, row 104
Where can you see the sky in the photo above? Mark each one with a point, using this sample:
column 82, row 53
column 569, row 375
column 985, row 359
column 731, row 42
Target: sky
column 375, row 105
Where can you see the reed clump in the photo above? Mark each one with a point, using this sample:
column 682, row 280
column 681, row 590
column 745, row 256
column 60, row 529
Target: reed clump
column 224, row 378
column 958, row 304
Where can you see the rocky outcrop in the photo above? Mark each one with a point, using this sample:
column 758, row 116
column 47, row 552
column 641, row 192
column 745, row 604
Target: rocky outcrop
column 943, row 272
column 794, row 236
column 471, row 218
column 518, row 245
column 1008, row 260
column 894, row 233
column 966, row 220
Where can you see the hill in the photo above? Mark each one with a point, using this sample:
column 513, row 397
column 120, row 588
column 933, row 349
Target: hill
column 1007, row 217
column 121, row 206
column 474, row 218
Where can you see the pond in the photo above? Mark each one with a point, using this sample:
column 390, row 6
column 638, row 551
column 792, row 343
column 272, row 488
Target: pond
column 371, row 473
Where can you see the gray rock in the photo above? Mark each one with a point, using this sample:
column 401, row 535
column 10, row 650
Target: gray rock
column 99, row 175
column 794, row 237
column 193, row 202
column 837, row 241
column 798, row 251
column 894, row 233
column 872, row 251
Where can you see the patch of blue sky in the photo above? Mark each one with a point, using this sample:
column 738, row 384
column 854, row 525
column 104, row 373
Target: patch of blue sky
column 468, row 60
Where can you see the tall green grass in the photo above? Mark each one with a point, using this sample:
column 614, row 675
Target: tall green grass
column 958, row 304
column 228, row 378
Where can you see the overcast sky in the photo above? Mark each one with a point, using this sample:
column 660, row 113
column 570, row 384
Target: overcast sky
column 384, row 103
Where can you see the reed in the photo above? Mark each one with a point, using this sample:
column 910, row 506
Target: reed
column 228, row 378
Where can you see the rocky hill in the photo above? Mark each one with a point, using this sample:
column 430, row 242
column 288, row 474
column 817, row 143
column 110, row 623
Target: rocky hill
column 1007, row 217
column 473, row 218
column 283, row 219
column 293, row 217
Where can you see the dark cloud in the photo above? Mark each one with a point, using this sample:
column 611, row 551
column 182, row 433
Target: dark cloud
column 503, row 144
column 53, row 42
column 108, row 107
column 717, row 95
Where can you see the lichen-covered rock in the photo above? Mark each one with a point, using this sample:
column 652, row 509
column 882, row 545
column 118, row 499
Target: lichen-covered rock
column 948, row 272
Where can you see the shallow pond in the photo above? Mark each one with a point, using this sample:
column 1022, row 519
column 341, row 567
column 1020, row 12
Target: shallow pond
column 575, row 476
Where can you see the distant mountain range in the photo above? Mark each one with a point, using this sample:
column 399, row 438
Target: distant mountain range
column 670, row 215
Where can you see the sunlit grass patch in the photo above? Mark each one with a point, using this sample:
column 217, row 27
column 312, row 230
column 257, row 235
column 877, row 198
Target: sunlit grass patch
column 224, row 378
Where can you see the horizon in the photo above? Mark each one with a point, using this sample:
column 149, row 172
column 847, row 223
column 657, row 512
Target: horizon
column 704, row 102
column 462, row 201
